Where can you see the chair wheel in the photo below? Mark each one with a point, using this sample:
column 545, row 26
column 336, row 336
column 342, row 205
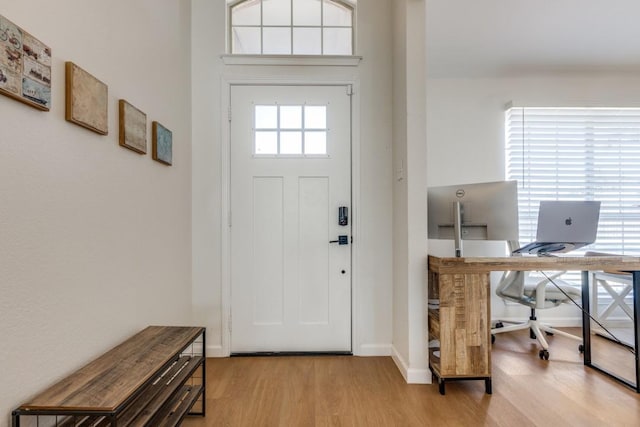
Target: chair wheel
column 499, row 325
column 549, row 334
column 544, row 354
column 493, row 338
column 581, row 348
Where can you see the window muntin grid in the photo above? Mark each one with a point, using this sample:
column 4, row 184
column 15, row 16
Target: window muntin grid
column 290, row 131
column 291, row 27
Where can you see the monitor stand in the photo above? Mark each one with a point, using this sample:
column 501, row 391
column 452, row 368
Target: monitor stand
column 457, row 228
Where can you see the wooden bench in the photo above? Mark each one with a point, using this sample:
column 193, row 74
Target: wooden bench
column 154, row 378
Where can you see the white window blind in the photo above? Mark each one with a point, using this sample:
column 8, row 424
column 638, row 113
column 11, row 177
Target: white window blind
column 578, row 154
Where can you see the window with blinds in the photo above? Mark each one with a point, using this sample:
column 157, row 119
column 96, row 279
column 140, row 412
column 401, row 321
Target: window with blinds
column 578, row 154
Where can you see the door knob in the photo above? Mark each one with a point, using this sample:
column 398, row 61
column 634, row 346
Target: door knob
column 342, row 240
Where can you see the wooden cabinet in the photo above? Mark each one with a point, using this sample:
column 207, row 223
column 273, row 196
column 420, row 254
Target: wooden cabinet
column 154, row 378
column 459, row 327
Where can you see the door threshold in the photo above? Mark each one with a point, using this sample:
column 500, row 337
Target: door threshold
column 292, row 353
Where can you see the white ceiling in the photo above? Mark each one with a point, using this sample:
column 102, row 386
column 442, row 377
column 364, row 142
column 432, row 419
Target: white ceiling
column 504, row 38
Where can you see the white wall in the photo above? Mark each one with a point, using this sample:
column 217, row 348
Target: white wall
column 416, row 191
column 208, row 41
column 372, row 317
column 95, row 240
column 409, row 190
column 465, row 137
column 372, row 218
column 401, row 343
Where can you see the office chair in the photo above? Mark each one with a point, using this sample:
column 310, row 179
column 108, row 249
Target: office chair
column 535, row 293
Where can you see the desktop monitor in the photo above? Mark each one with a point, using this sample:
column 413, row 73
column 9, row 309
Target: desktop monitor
column 481, row 211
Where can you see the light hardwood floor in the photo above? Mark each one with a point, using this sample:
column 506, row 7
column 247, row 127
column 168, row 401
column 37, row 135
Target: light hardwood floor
column 370, row 391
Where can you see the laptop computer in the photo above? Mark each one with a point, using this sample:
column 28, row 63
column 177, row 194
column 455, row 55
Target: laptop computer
column 564, row 226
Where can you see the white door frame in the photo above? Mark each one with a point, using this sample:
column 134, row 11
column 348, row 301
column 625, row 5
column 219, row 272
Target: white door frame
column 225, row 202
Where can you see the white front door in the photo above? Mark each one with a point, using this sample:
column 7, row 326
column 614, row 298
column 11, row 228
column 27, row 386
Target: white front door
column 290, row 174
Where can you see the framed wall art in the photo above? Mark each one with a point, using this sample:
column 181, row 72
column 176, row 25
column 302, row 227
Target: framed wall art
column 25, row 66
column 162, row 143
column 133, row 128
column 86, row 99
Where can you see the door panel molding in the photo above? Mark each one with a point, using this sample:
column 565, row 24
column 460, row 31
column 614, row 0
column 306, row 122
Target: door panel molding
column 274, row 307
column 353, row 88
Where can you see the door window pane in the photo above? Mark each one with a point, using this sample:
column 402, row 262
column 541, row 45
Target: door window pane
column 291, row 117
column 285, row 130
column 315, row 142
column 276, row 12
column 266, row 142
column 315, row 117
column 246, row 40
column 337, row 41
column 307, row 41
column 276, row 41
column 266, row 117
column 291, row 143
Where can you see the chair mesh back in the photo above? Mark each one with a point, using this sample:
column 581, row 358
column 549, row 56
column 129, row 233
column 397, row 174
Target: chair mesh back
column 511, row 286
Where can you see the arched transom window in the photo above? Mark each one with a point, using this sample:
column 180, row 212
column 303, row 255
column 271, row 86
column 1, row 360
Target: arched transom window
column 291, row 27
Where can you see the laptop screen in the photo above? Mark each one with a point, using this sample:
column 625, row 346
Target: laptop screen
column 564, row 226
column 573, row 222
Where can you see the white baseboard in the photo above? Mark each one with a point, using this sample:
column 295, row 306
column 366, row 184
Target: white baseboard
column 615, row 322
column 560, row 322
column 368, row 350
column 574, row 322
column 411, row 375
column 215, row 351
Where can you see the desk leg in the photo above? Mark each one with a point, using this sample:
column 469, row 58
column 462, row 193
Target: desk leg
column 586, row 330
column 586, row 320
column 636, row 323
column 487, row 386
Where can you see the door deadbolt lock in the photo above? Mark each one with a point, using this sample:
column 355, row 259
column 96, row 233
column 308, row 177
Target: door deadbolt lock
column 342, row 240
column 343, row 215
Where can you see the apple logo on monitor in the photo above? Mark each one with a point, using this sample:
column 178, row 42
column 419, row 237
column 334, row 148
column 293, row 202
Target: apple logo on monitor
column 568, row 221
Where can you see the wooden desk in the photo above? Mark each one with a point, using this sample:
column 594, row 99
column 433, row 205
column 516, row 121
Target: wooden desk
column 461, row 322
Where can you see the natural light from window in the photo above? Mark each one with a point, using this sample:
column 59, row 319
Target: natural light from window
column 578, row 154
column 291, row 27
column 290, row 130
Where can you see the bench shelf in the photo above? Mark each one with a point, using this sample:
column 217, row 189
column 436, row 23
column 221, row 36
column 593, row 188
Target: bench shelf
column 154, row 378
